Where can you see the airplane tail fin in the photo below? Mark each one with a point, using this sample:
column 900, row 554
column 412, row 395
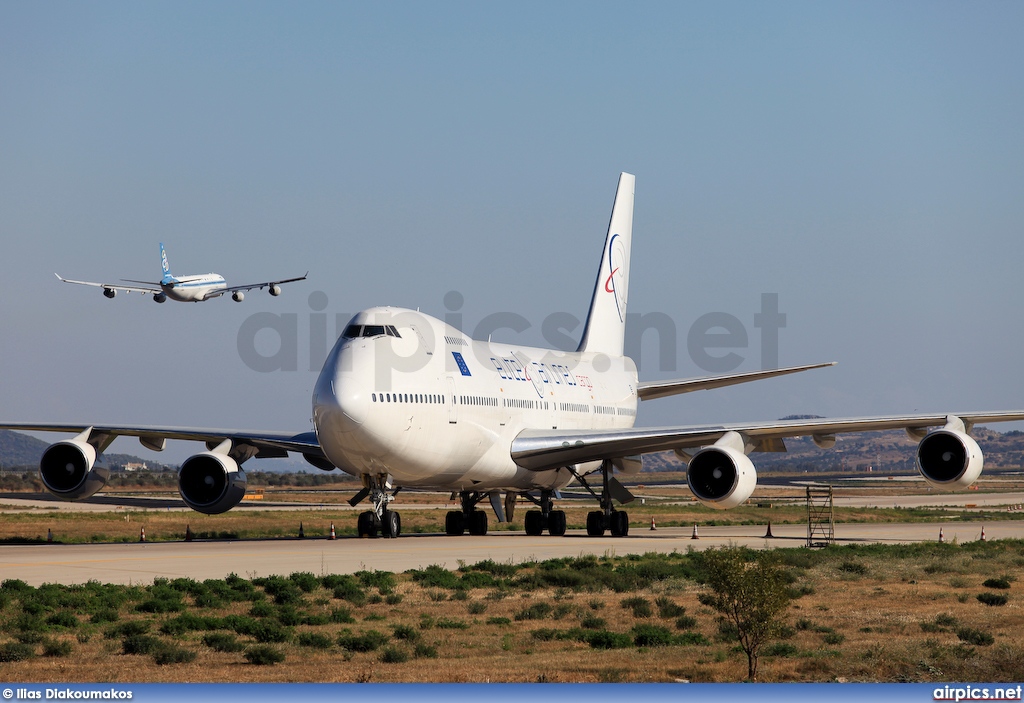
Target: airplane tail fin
column 167, row 277
column 605, row 331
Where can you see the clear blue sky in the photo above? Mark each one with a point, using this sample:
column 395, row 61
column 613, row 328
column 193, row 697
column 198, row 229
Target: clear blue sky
column 862, row 160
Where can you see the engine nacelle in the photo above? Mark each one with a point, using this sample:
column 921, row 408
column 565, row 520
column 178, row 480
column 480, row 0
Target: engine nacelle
column 109, row 292
column 275, row 291
column 238, row 296
column 949, row 458
column 159, row 297
column 211, row 482
column 68, row 470
column 721, row 476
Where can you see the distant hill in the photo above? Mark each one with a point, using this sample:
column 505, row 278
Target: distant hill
column 885, row 452
column 20, row 450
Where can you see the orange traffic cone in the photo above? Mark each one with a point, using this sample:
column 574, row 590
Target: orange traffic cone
column 768, row 534
column 653, row 526
column 188, row 533
column 694, row 535
column 302, row 533
column 982, row 533
column 333, row 536
column 49, row 534
column 142, row 535
column 941, row 538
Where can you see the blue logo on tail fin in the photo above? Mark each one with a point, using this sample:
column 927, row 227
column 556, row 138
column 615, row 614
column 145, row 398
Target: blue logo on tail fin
column 167, row 277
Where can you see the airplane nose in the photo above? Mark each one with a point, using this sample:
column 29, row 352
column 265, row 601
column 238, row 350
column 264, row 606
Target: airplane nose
column 341, row 397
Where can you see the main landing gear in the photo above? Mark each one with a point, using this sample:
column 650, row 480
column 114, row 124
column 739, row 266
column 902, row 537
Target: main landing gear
column 469, row 519
column 544, row 519
column 378, row 519
column 608, row 518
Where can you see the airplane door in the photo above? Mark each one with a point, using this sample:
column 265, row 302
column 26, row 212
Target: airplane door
column 453, row 412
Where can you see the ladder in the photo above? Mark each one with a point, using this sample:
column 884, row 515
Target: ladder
column 821, row 526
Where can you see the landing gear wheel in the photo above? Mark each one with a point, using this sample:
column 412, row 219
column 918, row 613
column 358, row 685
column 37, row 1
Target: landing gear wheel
column 556, row 523
column 454, row 523
column 595, row 523
column 366, row 526
column 620, row 523
column 535, row 522
column 391, row 525
column 477, row 522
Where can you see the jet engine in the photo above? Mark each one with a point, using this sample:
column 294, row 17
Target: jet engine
column 211, row 482
column 68, row 469
column 238, row 296
column 275, row 291
column 949, row 457
column 159, row 297
column 109, row 292
column 721, row 476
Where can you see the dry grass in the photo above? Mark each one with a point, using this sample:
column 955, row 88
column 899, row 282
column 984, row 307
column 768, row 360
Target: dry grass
column 880, row 613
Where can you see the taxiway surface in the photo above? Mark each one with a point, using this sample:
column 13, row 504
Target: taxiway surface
column 140, row 563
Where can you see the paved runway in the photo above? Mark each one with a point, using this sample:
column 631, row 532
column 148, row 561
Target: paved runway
column 142, row 562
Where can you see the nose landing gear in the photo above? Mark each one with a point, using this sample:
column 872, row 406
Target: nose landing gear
column 378, row 519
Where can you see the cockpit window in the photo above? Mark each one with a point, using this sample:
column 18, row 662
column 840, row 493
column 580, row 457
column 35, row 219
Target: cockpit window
column 393, row 332
column 373, row 330
column 352, row 331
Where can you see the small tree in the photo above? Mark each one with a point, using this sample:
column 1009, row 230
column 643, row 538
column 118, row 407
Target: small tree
column 750, row 592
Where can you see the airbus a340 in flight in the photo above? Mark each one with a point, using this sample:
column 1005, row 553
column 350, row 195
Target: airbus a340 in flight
column 405, row 400
column 184, row 289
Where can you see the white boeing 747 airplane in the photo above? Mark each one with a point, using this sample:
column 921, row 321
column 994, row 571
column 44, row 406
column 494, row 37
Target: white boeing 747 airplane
column 405, row 400
column 184, row 289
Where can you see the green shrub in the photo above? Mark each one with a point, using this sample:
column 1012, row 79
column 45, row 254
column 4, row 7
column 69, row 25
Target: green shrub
column 435, row 577
column 975, row 637
column 477, row 607
column 780, row 649
column 102, row 615
column 63, row 619
column 315, row 640
column 604, row 639
column 945, row 619
column 261, row 610
column 641, row 607
column 667, row 608
column 425, row 651
column 16, row 651
column 992, row 598
column 366, row 642
column 645, row 635
column 263, row 655
column 592, row 622
column 269, row 631
column 834, row 638
column 132, row 627
column 56, row 648
column 405, row 632
column 393, row 598
column 16, row 587
column 168, row 653
column 498, row 621
column 1001, row 582
column 452, row 624
column 222, row 642
column 384, row 581
column 537, row 611
column 853, row 567
column 426, row 621
column 686, row 622
column 140, row 644
column 343, row 615
column 691, row 638
column 394, row 655
column 306, row 581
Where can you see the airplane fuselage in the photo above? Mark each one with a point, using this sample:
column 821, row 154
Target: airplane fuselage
column 194, row 289
column 429, row 406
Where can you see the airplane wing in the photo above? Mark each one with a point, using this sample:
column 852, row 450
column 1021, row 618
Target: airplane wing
column 114, row 286
column 541, row 450
column 264, row 445
column 651, row 390
column 265, row 284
